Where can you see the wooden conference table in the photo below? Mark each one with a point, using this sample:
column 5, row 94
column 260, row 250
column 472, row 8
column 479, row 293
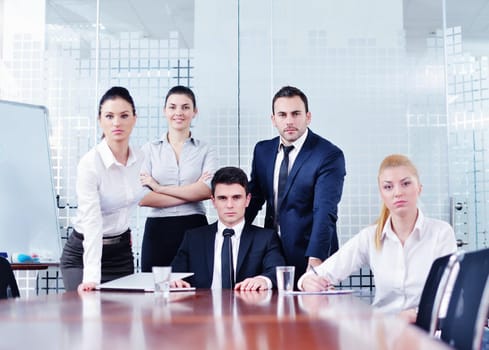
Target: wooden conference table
column 202, row 320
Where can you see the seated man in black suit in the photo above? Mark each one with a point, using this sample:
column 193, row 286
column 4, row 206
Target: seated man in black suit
column 249, row 262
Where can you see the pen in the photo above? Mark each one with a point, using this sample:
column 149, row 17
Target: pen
column 329, row 286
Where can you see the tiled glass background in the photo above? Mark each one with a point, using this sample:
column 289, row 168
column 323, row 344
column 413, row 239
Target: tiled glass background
column 376, row 86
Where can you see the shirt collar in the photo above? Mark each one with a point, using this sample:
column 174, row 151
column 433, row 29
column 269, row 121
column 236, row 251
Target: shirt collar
column 108, row 157
column 387, row 230
column 298, row 143
column 164, row 139
column 238, row 228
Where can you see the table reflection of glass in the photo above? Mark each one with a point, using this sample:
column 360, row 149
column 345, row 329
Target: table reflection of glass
column 285, row 306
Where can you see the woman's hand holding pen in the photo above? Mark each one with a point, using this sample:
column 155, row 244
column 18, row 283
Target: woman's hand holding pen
column 315, row 283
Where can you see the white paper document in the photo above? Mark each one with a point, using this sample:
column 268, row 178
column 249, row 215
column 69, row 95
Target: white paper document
column 142, row 282
column 327, row 292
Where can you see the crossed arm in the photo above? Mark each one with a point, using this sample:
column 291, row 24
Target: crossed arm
column 168, row 196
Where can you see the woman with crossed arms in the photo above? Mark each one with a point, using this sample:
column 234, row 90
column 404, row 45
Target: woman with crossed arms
column 178, row 168
column 399, row 248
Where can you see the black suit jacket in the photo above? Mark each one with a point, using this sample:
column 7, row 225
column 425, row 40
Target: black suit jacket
column 260, row 251
column 7, row 281
column 308, row 211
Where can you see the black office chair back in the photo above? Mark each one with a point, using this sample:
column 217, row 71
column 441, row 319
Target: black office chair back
column 8, row 284
column 426, row 303
column 467, row 310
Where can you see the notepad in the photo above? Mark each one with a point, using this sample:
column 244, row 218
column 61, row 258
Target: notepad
column 142, row 282
column 327, row 292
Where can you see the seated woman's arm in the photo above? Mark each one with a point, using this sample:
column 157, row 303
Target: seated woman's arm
column 314, row 283
column 348, row 259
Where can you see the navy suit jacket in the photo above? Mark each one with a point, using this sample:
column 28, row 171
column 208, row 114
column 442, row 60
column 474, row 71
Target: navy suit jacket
column 308, row 212
column 260, row 251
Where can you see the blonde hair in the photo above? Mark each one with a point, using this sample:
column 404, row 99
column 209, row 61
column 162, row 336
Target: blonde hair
column 391, row 161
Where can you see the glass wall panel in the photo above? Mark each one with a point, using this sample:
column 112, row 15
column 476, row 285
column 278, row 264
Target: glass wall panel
column 69, row 77
column 22, row 51
column 375, row 85
column 467, row 51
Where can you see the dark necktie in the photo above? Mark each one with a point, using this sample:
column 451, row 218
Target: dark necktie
column 227, row 270
column 282, row 176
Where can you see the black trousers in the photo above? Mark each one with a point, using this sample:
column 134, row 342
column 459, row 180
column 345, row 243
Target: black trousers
column 163, row 236
column 117, row 259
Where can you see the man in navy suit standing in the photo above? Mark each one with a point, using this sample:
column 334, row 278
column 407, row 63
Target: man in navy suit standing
column 300, row 177
column 229, row 253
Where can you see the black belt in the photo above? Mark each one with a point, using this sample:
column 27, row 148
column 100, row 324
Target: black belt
column 107, row 240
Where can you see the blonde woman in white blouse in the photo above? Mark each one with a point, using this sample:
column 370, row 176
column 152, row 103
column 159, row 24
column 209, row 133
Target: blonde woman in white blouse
column 99, row 248
column 399, row 248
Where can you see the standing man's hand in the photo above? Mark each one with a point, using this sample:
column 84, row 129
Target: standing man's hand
column 314, row 262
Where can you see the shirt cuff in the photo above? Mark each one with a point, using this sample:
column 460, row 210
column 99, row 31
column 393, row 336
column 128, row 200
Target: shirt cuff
column 91, row 274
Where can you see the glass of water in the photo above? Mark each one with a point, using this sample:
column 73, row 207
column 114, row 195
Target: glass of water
column 161, row 276
column 285, row 278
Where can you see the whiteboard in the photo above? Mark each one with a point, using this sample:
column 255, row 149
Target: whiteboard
column 28, row 211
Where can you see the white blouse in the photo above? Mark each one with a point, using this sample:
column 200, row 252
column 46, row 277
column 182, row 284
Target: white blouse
column 196, row 158
column 399, row 271
column 107, row 191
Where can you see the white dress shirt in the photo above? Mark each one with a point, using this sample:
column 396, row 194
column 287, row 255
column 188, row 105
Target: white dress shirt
column 107, row 191
column 235, row 240
column 399, row 271
column 278, row 161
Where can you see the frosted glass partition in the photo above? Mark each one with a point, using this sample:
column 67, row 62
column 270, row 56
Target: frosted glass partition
column 467, row 50
column 370, row 84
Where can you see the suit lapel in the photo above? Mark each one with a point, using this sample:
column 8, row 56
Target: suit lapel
column 244, row 246
column 209, row 241
column 271, row 154
column 304, row 154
